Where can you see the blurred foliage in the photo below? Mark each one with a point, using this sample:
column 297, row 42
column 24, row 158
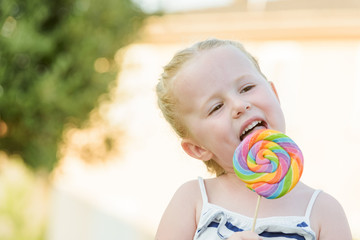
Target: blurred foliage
column 23, row 201
column 56, row 59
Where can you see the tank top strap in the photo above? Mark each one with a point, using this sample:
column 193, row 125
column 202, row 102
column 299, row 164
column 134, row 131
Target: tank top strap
column 311, row 203
column 203, row 190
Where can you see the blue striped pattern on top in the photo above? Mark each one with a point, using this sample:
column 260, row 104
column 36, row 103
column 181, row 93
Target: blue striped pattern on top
column 218, row 223
column 233, row 228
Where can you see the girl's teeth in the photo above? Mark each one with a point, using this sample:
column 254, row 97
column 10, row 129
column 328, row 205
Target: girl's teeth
column 253, row 124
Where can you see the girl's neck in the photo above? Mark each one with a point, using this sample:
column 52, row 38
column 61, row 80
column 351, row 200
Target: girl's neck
column 231, row 180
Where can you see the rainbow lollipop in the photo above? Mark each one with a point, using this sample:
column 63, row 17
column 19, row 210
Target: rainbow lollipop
column 269, row 162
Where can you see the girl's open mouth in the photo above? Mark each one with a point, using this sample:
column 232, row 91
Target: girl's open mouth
column 255, row 125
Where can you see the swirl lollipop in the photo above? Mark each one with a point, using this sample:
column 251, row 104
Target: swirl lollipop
column 269, row 162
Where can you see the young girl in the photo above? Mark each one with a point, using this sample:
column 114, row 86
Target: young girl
column 214, row 94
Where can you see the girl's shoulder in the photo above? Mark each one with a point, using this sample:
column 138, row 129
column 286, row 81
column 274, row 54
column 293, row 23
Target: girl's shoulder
column 189, row 191
column 187, row 196
column 329, row 216
column 179, row 218
column 322, row 203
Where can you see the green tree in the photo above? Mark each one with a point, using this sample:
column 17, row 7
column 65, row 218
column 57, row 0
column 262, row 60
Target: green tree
column 47, row 77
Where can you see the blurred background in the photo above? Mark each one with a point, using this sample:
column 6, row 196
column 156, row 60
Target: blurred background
column 84, row 151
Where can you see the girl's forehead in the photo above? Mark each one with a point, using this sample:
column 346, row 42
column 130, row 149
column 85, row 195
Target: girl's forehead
column 218, row 56
column 226, row 59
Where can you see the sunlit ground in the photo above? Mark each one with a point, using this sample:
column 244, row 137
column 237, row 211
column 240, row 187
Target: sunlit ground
column 318, row 84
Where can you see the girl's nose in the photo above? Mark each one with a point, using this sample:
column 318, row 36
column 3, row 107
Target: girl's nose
column 240, row 108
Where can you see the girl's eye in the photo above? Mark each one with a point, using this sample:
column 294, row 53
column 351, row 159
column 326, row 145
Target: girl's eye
column 217, row 107
column 247, row 88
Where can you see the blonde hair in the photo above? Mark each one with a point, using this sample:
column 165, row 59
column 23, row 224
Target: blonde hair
column 164, row 89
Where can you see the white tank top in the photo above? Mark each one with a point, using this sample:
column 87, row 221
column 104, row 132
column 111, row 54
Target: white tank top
column 217, row 223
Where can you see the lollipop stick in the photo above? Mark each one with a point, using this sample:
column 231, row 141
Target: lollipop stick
column 256, row 213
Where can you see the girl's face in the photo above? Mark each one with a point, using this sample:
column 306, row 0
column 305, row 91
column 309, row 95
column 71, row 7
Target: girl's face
column 222, row 98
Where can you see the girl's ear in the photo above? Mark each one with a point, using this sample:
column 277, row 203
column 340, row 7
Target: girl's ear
column 195, row 151
column 274, row 89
